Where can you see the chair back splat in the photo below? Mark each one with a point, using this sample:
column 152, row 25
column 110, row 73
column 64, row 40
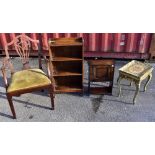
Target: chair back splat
column 22, row 45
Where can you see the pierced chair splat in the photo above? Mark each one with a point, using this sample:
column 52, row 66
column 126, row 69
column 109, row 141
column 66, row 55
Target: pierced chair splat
column 28, row 79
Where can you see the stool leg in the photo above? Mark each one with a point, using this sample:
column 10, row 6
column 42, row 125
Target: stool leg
column 147, row 82
column 137, row 91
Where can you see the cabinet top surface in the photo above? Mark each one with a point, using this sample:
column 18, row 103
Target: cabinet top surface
column 66, row 42
column 101, row 62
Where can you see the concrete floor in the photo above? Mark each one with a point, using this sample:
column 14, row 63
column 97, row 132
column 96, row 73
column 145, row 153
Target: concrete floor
column 75, row 108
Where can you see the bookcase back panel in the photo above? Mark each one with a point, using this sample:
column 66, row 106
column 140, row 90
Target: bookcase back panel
column 67, row 66
column 67, row 51
column 69, row 81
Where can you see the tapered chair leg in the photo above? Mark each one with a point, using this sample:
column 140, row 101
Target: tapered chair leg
column 51, row 92
column 11, row 106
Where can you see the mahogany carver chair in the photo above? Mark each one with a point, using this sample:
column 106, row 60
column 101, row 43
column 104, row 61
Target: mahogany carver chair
column 28, row 79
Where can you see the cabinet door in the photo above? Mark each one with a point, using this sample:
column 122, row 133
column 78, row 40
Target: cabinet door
column 101, row 73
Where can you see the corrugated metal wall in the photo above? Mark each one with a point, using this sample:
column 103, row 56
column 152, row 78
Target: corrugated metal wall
column 96, row 43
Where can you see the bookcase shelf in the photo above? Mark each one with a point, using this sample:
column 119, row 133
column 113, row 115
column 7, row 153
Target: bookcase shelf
column 68, row 84
column 63, row 73
column 66, row 59
column 67, row 64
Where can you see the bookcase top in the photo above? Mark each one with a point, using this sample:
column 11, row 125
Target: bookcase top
column 66, row 42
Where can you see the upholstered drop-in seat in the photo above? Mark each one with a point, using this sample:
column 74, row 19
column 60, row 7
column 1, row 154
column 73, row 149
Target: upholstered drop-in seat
column 27, row 79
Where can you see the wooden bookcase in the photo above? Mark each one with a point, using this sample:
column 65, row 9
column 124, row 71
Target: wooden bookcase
column 67, row 64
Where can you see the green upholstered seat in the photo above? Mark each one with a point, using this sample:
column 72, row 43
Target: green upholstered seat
column 26, row 79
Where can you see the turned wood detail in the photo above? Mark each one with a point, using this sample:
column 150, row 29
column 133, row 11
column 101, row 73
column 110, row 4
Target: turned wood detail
column 22, row 44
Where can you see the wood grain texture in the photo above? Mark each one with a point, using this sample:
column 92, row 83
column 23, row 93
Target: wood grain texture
column 66, row 55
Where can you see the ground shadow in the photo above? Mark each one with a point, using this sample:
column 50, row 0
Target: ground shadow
column 96, row 102
column 26, row 103
column 43, row 92
column 1, row 82
column 130, row 103
column 1, row 95
column 6, row 115
column 130, row 88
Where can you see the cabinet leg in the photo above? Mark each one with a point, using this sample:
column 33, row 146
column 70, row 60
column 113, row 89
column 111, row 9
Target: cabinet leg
column 147, row 82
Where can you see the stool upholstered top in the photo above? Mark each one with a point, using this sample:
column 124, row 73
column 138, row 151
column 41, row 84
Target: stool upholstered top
column 136, row 68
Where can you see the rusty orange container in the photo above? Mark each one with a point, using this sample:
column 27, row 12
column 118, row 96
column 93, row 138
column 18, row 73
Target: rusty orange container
column 109, row 45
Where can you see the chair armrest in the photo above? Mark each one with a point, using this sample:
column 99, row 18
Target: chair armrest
column 6, row 63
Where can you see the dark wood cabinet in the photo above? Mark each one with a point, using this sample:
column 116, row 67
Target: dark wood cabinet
column 67, row 64
column 101, row 73
column 152, row 48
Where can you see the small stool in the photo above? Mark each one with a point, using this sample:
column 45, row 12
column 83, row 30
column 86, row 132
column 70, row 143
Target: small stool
column 101, row 73
column 136, row 72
